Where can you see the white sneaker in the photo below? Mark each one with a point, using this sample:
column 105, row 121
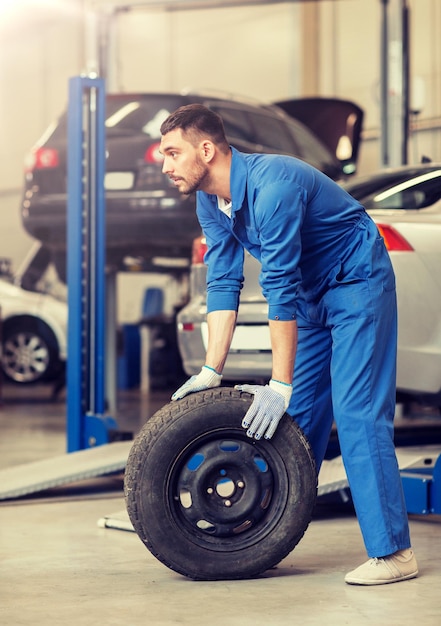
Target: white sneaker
column 401, row 565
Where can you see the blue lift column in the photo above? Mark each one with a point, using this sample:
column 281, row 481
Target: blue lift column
column 87, row 424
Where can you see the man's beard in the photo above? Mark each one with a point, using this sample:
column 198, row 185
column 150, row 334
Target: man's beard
column 199, row 178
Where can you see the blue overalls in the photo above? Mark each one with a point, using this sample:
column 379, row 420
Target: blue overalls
column 325, row 265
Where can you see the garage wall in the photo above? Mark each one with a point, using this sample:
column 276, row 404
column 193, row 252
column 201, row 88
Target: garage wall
column 253, row 52
column 266, row 52
column 426, row 71
column 40, row 47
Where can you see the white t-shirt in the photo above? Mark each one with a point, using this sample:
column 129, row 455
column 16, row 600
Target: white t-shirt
column 224, row 206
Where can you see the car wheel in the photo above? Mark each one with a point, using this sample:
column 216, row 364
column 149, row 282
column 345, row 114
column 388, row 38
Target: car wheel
column 208, row 501
column 30, row 351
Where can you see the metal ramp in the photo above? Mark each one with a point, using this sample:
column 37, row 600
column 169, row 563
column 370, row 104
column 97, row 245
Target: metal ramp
column 29, row 478
column 332, row 478
column 419, row 467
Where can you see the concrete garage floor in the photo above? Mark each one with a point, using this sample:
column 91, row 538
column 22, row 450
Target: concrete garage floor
column 58, row 567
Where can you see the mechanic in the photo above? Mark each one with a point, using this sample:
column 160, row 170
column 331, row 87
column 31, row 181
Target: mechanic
column 330, row 288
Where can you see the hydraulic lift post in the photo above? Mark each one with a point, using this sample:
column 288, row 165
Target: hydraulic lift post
column 88, row 428
column 87, row 424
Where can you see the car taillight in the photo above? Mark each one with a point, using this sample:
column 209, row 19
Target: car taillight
column 42, row 158
column 186, row 326
column 152, row 154
column 198, row 251
column 393, row 240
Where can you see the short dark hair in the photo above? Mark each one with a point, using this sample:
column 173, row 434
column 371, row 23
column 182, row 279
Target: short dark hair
column 196, row 120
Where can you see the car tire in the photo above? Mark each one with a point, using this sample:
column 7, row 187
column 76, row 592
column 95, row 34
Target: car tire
column 209, row 502
column 30, row 351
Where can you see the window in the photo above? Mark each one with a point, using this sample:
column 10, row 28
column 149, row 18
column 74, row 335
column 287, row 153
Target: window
column 270, row 132
column 236, row 123
column 414, row 194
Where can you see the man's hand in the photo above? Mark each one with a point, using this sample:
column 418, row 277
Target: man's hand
column 206, row 379
column 269, row 404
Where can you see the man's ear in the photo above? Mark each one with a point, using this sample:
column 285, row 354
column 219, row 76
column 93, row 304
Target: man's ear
column 207, row 150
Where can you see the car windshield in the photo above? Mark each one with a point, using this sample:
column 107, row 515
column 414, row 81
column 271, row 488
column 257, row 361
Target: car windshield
column 406, row 189
column 139, row 115
column 132, row 114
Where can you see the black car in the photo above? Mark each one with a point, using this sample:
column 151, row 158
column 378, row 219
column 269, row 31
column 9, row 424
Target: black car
column 146, row 217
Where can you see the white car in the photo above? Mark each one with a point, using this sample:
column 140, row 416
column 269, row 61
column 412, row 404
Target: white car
column 406, row 205
column 34, row 334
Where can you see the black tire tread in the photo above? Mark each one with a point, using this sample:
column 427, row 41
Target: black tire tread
column 143, row 442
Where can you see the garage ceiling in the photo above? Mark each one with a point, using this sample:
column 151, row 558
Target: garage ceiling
column 186, row 5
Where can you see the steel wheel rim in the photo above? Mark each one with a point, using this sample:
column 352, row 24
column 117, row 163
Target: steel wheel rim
column 227, row 489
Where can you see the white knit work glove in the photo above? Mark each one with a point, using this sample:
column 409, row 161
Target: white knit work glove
column 206, row 379
column 269, row 404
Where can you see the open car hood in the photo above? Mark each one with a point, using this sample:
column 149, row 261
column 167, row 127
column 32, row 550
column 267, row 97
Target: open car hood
column 337, row 123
